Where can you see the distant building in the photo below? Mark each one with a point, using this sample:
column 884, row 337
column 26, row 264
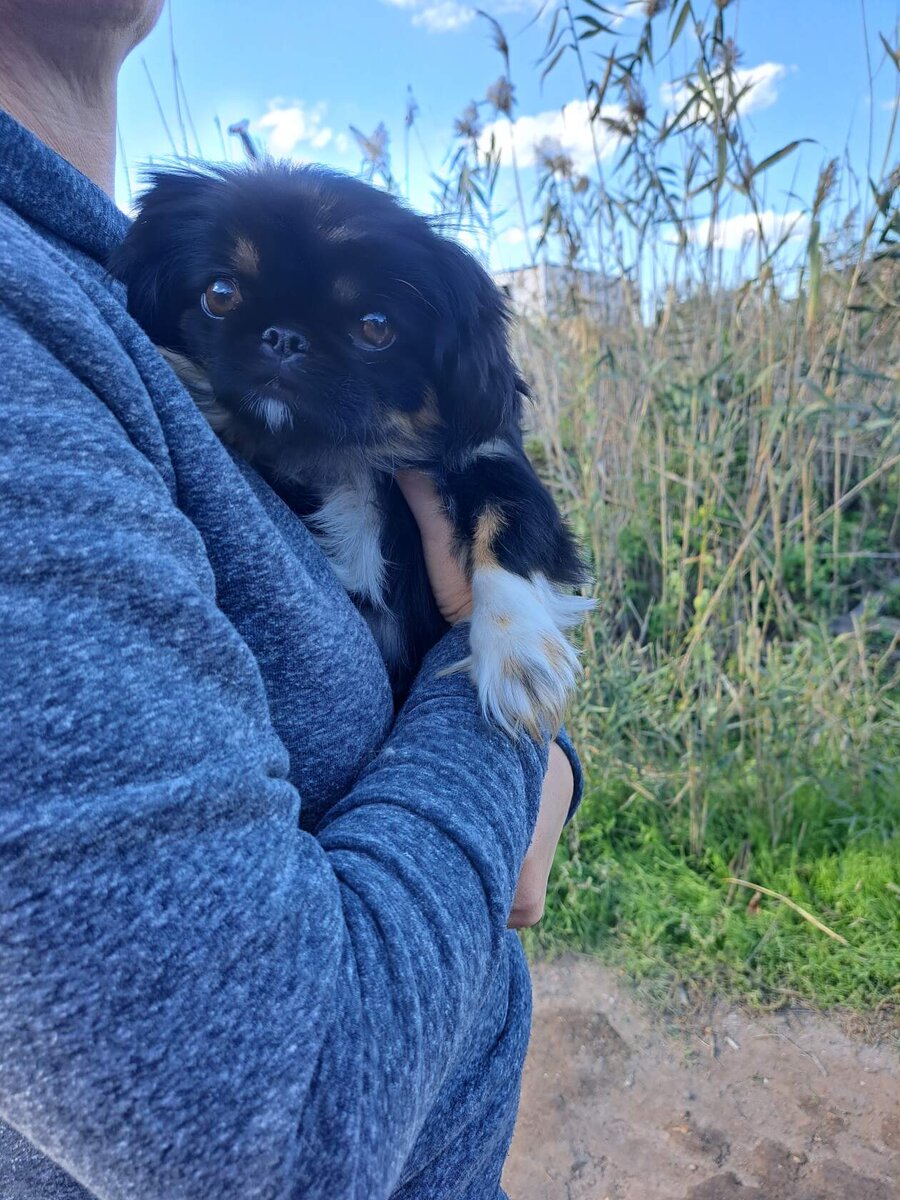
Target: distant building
column 548, row 290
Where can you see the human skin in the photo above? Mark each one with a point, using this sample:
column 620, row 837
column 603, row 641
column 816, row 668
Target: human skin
column 454, row 598
column 59, row 63
column 59, row 66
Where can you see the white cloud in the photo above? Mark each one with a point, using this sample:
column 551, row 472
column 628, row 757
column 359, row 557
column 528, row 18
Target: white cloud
column 616, row 14
column 450, row 16
column 734, row 232
column 437, row 16
column 567, row 129
column 760, row 81
column 289, row 130
column 444, row 17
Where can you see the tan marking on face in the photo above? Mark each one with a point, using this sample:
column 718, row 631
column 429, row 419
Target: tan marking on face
column 246, row 257
column 428, row 415
column 406, row 433
column 487, row 529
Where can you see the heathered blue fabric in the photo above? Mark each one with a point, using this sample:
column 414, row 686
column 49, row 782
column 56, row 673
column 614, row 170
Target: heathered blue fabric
column 252, row 931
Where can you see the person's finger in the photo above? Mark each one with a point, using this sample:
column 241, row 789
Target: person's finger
column 442, row 559
column 422, row 497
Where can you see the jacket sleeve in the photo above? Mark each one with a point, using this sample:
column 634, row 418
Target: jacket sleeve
column 197, row 998
column 568, row 748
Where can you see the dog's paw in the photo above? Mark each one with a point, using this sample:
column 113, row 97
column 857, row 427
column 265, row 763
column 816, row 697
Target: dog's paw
column 520, row 661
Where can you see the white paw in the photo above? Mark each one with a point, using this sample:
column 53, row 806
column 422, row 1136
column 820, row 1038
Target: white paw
column 520, row 662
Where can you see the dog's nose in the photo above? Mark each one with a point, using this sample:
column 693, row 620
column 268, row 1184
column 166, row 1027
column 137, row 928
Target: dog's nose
column 286, row 343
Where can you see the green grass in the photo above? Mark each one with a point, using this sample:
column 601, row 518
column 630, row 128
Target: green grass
column 727, row 729
column 726, row 444
column 626, row 885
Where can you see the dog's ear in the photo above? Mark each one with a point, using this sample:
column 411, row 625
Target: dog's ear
column 167, row 237
column 479, row 388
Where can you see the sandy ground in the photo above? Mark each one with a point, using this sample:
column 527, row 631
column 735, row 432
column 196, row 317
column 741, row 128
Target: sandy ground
column 616, row 1106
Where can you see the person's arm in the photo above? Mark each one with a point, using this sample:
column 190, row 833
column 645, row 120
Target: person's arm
column 564, row 781
column 196, row 998
column 556, row 800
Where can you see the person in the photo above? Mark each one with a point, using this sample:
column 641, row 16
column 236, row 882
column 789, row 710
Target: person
column 254, row 934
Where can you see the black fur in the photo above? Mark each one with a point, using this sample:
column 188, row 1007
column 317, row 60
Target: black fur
column 329, row 250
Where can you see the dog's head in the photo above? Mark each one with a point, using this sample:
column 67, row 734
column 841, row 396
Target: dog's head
column 321, row 309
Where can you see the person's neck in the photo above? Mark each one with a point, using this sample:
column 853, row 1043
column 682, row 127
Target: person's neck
column 73, row 116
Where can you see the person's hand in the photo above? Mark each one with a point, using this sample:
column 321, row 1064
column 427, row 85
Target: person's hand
column 556, row 797
column 454, row 598
column 445, row 569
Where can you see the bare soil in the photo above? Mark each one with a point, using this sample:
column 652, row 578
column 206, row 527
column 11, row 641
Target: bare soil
column 618, row 1106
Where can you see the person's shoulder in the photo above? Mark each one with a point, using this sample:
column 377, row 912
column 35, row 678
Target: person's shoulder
column 42, row 282
column 13, row 226
column 62, row 300
column 23, row 248
column 64, row 327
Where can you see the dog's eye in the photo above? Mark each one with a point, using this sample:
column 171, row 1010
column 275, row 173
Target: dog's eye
column 221, row 297
column 374, row 332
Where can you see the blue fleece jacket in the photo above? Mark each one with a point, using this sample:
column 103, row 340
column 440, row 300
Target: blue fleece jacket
column 250, row 925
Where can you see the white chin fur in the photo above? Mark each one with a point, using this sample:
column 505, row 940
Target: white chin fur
column 276, row 414
column 522, row 665
column 348, row 528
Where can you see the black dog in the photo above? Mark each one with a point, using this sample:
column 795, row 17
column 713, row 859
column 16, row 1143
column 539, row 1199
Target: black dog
column 332, row 336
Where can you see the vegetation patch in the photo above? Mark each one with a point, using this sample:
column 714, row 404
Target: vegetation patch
column 728, row 447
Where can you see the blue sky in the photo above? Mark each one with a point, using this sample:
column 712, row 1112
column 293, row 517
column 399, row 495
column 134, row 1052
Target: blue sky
column 302, row 73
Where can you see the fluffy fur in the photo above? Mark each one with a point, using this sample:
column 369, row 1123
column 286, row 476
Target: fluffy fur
column 333, row 336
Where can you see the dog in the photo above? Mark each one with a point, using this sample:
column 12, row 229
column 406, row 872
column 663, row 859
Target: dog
column 332, row 336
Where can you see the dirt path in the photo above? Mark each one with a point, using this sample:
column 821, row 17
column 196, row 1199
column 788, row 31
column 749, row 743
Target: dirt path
column 784, row 1107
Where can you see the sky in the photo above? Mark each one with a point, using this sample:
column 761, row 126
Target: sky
column 303, row 72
